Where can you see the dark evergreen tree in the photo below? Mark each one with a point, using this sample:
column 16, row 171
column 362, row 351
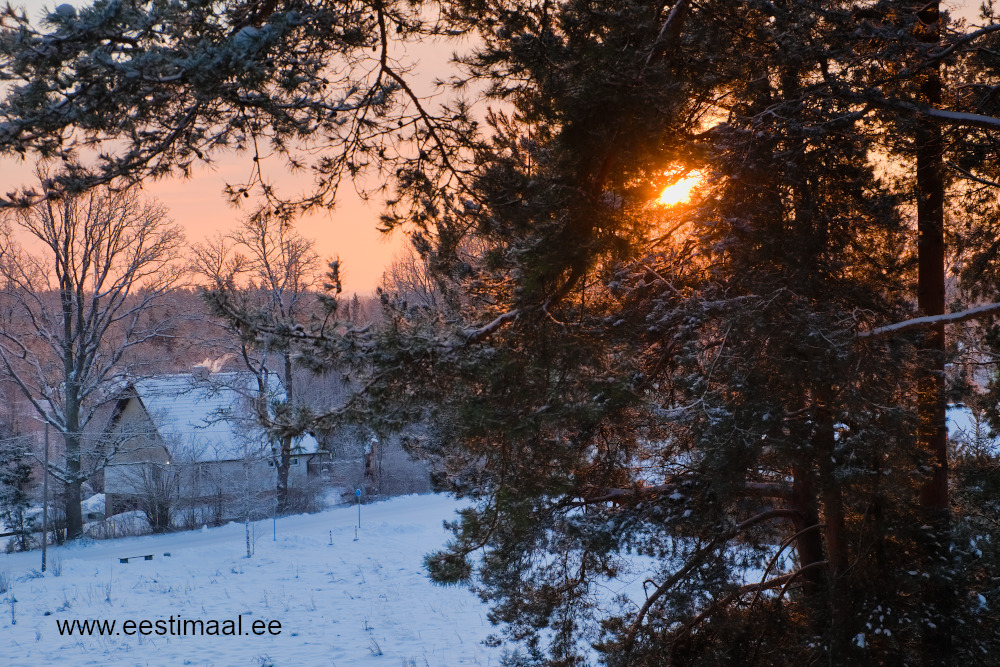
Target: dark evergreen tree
column 15, row 475
column 717, row 372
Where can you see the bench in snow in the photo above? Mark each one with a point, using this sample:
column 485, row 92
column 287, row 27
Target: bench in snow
column 126, row 559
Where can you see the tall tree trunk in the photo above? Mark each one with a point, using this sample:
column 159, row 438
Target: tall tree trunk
column 931, row 301
column 809, row 544
column 73, row 489
column 835, row 531
column 931, row 282
column 820, row 583
column 74, row 468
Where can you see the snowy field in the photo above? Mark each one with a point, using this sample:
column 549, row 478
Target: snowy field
column 365, row 602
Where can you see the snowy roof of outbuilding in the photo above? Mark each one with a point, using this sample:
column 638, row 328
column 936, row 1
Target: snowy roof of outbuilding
column 210, row 419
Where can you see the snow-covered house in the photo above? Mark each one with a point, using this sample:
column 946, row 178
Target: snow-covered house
column 193, row 439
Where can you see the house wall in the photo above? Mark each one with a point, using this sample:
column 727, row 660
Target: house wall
column 134, row 438
column 139, row 460
column 297, row 471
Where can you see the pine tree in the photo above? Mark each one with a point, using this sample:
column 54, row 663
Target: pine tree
column 153, row 89
column 718, row 372
column 15, row 475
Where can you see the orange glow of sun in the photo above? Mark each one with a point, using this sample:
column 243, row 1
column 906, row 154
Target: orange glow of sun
column 680, row 191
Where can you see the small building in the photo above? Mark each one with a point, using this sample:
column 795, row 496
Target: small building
column 192, row 441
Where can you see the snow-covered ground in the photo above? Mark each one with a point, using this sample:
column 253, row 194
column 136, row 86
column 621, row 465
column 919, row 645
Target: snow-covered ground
column 364, row 602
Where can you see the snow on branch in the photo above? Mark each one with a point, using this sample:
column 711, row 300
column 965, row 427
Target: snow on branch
column 669, row 33
column 964, row 40
column 475, row 335
column 962, row 118
column 639, row 493
column 956, row 118
column 929, row 320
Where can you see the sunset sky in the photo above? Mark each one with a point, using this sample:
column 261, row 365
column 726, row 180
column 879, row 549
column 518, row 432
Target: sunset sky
column 348, row 232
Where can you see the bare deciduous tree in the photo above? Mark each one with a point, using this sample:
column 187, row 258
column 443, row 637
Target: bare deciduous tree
column 261, row 281
column 78, row 274
column 409, row 277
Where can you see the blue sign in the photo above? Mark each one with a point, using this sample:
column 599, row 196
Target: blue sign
column 357, row 492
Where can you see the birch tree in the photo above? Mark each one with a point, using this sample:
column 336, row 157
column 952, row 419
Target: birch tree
column 79, row 274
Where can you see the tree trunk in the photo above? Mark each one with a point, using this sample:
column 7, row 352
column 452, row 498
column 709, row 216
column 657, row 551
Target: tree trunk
column 285, row 457
column 809, row 544
column 73, row 497
column 74, row 473
column 373, row 468
column 931, row 287
column 933, row 431
column 835, row 532
column 284, row 465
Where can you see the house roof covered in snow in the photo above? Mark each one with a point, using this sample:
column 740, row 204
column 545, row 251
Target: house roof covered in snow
column 210, row 418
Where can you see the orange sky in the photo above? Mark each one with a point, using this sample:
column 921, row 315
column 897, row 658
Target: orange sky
column 198, row 203
column 349, row 231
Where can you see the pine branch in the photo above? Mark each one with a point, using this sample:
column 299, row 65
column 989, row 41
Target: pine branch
column 756, row 489
column 963, row 41
column 930, row 320
column 968, row 174
column 777, row 554
column 669, row 33
column 476, row 335
column 777, row 582
column 696, row 560
column 957, row 118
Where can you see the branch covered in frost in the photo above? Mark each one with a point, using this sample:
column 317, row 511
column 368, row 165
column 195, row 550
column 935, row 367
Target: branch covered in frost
column 930, row 320
column 756, row 489
column 475, row 335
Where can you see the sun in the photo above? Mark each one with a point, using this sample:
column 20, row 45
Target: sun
column 679, row 192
